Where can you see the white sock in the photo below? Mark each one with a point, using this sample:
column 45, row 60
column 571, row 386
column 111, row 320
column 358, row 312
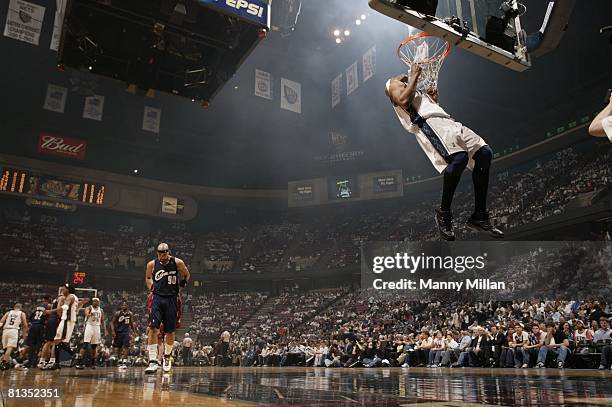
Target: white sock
column 167, row 349
column 152, row 352
column 52, row 360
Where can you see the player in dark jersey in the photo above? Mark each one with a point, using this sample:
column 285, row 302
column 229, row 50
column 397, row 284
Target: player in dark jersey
column 164, row 277
column 47, row 359
column 121, row 327
column 36, row 334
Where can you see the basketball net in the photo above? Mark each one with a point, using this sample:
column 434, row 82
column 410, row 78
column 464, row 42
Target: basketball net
column 429, row 53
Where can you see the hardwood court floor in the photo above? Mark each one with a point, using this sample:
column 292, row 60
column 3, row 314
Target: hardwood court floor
column 315, row 387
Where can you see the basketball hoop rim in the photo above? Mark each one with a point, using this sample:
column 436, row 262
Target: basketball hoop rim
column 421, row 35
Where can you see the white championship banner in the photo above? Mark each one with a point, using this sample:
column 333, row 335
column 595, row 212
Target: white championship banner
column 369, row 63
column 291, row 95
column 24, row 21
column 336, row 91
column 58, row 22
column 55, row 101
column 263, row 84
column 94, row 107
column 151, row 119
column 352, row 80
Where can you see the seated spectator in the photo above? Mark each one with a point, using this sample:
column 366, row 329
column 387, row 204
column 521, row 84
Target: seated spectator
column 438, row 347
column 532, row 347
column 583, row 338
column 450, row 346
column 462, row 351
column 556, row 342
column 603, row 342
column 519, row 340
column 499, row 341
column 480, row 351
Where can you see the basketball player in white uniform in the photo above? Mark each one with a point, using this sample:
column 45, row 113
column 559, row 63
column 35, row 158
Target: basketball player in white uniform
column 11, row 322
column 94, row 320
column 68, row 304
column 602, row 124
column 449, row 145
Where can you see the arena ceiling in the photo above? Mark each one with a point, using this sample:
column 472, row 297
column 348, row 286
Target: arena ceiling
column 246, row 141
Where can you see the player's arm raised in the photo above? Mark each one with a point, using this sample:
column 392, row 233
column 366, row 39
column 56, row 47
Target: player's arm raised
column 402, row 91
column 149, row 275
column 596, row 128
column 182, row 268
column 3, row 320
column 61, row 301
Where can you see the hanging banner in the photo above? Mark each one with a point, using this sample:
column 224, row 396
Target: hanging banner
column 24, row 21
column 172, row 205
column 369, row 63
column 291, row 95
column 263, row 84
column 336, row 91
column 55, row 100
column 352, row 80
column 58, row 23
column 151, row 119
column 94, row 107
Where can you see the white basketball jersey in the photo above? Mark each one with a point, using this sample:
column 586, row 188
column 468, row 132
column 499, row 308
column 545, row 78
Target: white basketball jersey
column 71, row 313
column 606, row 123
column 448, row 135
column 427, row 109
column 581, row 336
column 13, row 320
column 95, row 316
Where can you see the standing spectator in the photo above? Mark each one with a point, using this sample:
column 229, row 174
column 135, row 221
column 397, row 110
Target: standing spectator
column 187, row 344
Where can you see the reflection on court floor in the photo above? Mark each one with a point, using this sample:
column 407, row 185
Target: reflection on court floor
column 316, row 387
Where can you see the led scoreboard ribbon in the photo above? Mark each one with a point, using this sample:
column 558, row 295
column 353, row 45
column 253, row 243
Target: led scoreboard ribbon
column 24, row 182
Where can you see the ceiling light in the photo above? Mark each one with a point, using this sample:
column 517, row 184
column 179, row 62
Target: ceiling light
column 358, row 22
column 336, row 33
column 363, row 16
column 338, row 40
column 347, row 33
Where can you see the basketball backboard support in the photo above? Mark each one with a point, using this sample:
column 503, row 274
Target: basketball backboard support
column 468, row 30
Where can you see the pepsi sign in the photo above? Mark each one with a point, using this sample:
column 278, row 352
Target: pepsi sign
column 256, row 11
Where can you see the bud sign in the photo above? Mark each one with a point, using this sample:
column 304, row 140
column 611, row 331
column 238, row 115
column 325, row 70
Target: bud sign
column 52, row 144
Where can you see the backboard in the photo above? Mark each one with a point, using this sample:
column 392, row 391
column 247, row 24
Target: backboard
column 473, row 29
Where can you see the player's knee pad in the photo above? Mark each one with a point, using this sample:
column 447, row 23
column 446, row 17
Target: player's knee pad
column 88, row 346
column 457, row 163
column 483, row 157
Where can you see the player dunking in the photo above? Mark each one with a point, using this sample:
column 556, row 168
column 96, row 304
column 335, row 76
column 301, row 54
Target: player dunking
column 164, row 277
column 449, row 145
column 121, row 328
